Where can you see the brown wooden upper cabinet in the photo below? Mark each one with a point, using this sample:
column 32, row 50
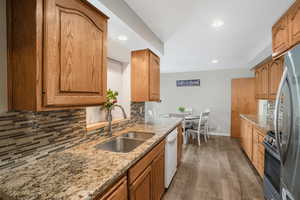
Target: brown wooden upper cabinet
column 275, row 73
column 267, row 78
column 280, row 36
column 261, row 83
column 145, row 76
column 286, row 31
column 294, row 23
column 57, row 52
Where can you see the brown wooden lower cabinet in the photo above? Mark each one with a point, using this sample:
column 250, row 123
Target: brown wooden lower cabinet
column 158, row 176
column 255, row 156
column 179, row 144
column 261, row 154
column 117, row 192
column 141, row 188
column 252, row 144
column 147, row 176
column 246, row 137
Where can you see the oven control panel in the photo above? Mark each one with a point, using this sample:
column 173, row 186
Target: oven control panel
column 271, row 140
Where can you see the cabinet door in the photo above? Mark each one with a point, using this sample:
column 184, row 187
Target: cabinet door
column 294, row 24
column 257, row 84
column 261, row 155
column 248, row 142
column 264, row 81
column 154, row 78
column 141, row 188
column 280, row 36
column 261, row 163
column 179, row 144
column 74, row 54
column 275, row 73
column 242, row 139
column 255, row 149
column 158, row 176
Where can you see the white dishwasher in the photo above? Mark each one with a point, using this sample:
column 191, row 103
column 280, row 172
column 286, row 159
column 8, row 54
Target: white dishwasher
column 170, row 157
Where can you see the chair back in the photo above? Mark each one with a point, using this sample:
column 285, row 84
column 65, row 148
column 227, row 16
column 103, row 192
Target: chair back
column 203, row 120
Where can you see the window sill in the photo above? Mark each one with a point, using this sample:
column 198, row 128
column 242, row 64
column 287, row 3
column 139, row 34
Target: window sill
column 98, row 125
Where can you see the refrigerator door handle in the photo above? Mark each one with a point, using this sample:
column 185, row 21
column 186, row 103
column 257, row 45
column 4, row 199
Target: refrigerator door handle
column 276, row 112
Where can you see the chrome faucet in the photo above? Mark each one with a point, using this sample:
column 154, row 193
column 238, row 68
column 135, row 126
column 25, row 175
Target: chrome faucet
column 110, row 117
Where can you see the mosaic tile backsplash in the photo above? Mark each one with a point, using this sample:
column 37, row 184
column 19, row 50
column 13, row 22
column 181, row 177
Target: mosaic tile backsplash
column 27, row 136
column 271, row 110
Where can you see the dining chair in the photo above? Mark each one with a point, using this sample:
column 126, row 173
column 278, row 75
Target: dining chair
column 201, row 129
column 187, row 124
column 207, row 122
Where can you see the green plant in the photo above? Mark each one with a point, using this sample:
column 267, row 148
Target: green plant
column 181, row 109
column 111, row 98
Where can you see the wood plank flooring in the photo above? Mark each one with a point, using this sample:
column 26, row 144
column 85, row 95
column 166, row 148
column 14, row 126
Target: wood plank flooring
column 217, row 170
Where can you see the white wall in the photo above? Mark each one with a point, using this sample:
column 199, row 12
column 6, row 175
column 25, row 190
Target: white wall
column 3, row 58
column 214, row 93
column 118, row 79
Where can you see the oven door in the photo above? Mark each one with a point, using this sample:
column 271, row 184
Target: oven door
column 272, row 173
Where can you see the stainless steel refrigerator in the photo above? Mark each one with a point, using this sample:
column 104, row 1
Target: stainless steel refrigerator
column 287, row 125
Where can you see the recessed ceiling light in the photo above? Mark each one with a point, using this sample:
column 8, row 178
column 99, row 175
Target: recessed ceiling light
column 122, row 37
column 215, row 61
column 217, row 23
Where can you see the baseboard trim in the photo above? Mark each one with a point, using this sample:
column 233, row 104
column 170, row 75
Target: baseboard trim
column 219, row 134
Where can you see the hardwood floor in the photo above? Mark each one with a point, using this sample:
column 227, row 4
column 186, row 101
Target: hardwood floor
column 217, row 170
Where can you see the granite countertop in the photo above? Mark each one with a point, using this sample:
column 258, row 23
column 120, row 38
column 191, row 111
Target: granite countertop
column 261, row 121
column 79, row 173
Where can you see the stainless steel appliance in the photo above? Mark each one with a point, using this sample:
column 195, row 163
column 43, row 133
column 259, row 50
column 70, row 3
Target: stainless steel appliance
column 287, row 126
column 272, row 168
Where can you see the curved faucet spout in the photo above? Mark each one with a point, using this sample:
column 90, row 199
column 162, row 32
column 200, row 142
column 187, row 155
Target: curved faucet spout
column 110, row 117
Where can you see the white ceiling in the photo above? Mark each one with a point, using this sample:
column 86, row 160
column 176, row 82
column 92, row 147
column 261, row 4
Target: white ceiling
column 120, row 50
column 190, row 41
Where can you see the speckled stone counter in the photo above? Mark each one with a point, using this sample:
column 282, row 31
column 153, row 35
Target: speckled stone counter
column 79, row 173
column 261, row 122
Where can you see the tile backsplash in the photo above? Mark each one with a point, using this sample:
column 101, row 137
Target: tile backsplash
column 26, row 136
column 271, row 109
column 35, row 134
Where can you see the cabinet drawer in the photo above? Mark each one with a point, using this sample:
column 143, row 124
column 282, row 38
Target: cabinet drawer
column 117, row 192
column 141, row 165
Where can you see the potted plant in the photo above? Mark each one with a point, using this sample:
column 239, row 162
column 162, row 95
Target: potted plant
column 111, row 99
column 181, row 109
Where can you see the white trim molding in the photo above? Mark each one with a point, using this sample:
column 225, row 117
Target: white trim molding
column 219, row 134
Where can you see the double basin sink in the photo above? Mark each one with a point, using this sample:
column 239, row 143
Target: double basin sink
column 125, row 143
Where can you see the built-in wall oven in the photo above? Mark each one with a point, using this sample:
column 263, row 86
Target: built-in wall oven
column 272, row 168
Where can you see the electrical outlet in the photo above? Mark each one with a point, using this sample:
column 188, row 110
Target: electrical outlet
column 141, row 110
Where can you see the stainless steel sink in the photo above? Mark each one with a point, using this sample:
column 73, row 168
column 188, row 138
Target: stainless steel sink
column 119, row 144
column 126, row 142
column 138, row 135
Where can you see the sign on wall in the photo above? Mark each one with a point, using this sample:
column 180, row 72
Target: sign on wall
column 188, row 83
